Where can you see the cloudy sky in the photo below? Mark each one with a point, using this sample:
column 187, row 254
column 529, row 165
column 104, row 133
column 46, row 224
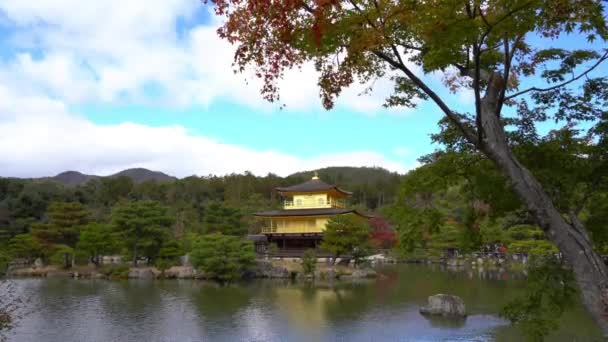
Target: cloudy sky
column 100, row 86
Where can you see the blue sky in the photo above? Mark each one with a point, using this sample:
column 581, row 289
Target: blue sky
column 150, row 85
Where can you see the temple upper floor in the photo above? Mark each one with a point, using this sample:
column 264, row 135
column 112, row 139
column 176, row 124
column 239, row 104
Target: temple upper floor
column 313, row 194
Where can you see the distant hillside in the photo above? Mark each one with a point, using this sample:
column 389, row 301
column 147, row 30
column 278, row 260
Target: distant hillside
column 72, row 178
column 371, row 186
column 343, row 175
column 138, row 175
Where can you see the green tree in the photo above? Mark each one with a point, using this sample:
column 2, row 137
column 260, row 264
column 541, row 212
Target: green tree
column 61, row 255
column 222, row 257
column 346, row 234
column 97, row 240
column 143, row 225
column 24, row 246
column 65, row 221
column 61, row 232
column 169, row 254
column 222, row 219
column 491, row 48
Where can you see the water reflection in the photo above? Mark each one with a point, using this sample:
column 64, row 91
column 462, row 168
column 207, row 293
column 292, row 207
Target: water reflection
column 382, row 309
column 446, row 322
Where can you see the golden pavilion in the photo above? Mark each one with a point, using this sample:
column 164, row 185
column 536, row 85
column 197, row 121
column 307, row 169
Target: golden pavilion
column 306, row 209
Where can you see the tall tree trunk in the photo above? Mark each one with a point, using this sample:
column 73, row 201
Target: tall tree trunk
column 570, row 238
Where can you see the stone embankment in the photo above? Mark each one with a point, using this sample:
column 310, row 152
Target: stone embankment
column 270, row 269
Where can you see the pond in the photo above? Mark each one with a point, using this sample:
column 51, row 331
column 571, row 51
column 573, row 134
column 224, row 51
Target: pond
column 384, row 309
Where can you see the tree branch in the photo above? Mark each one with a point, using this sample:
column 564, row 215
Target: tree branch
column 509, row 53
column 573, row 79
column 476, row 90
column 470, row 136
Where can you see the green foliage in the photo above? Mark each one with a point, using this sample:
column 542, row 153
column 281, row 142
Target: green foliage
column 550, row 290
column 491, row 232
column 222, row 257
column 449, row 236
column 97, row 240
column 188, row 241
column 532, row 247
column 63, row 228
column 346, row 234
column 24, row 246
column 116, row 271
column 309, row 262
column 169, row 255
column 595, row 221
column 62, row 255
column 225, row 220
column 144, row 225
column 5, row 259
column 524, row 232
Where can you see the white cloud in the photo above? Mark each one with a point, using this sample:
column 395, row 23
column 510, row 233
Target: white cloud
column 73, row 52
column 39, row 137
column 113, row 50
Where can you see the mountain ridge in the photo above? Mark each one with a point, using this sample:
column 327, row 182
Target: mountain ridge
column 332, row 174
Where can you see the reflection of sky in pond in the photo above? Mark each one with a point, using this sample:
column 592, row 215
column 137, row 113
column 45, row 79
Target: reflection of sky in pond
column 385, row 309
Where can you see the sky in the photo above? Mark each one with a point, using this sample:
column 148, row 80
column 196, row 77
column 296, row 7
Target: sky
column 101, row 86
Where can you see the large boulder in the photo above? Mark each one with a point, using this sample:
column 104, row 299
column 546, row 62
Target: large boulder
column 444, row 305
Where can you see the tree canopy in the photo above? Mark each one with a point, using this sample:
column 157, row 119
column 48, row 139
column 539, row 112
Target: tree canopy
column 144, row 224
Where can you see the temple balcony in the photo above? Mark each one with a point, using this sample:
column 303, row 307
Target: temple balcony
column 292, row 230
column 313, row 203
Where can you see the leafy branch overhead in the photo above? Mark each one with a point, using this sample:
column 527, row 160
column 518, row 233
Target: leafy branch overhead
column 355, row 41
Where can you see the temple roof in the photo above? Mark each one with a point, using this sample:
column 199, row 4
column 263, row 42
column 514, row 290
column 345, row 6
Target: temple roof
column 309, row 212
column 313, row 185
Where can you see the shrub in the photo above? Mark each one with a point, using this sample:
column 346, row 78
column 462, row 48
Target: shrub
column 222, row 257
column 116, row 271
column 309, row 261
column 62, row 256
column 532, row 247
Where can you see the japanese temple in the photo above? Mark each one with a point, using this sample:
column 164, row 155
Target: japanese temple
column 306, row 209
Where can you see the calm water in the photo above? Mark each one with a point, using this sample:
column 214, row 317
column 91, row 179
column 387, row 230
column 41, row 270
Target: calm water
column 385, row 309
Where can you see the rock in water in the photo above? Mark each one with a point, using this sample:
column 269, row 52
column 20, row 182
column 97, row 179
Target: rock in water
column 444, row 305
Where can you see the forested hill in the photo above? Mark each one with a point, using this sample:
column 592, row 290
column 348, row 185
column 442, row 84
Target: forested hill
column 137, row 175
column 192, row 200
column 372, row 187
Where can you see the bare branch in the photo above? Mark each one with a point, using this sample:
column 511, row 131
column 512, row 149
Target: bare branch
column 573, row 79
